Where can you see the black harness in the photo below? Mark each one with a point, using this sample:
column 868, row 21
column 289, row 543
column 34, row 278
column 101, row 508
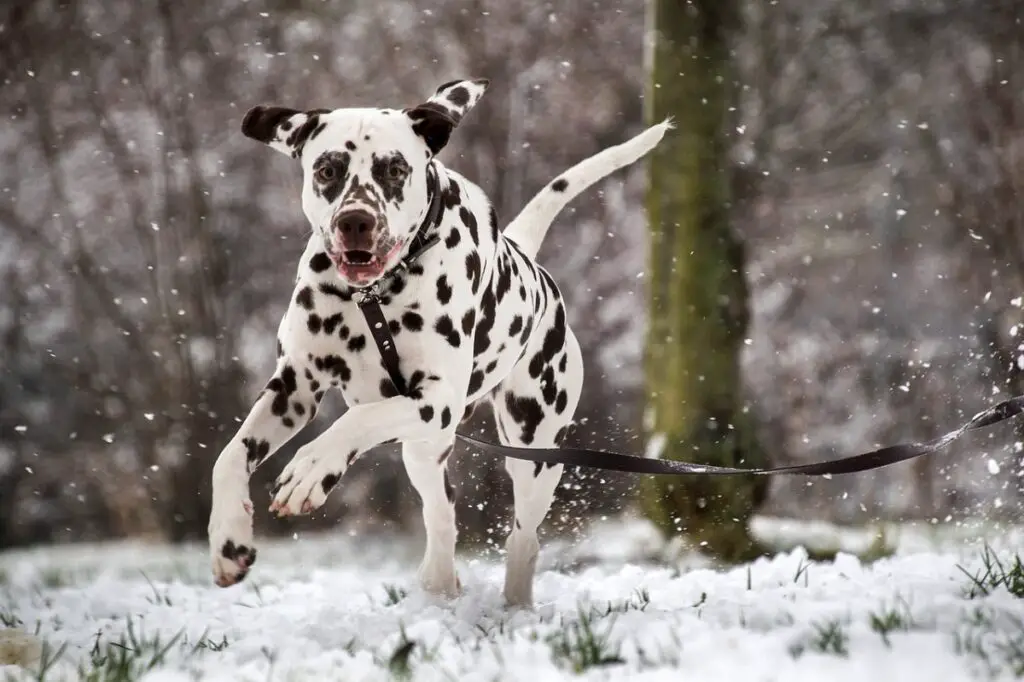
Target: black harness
column 368, row 300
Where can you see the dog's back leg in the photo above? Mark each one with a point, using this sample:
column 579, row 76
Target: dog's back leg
column 533, row 406
column 426, row 464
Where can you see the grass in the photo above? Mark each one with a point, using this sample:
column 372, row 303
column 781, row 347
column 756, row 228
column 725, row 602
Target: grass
column 393, row 594
column 897, row 618
column 828, row 637
column 579, row 646
column 995, row 575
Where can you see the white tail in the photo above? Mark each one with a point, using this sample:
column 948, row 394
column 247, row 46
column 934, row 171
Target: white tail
column 531, row 225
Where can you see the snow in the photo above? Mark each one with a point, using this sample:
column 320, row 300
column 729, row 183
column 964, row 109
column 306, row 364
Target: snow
column 338, row 607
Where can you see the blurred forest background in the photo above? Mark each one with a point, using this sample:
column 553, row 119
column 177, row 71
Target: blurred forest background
column 147, row 249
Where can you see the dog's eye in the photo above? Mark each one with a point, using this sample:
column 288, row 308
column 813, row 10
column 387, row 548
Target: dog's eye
column 396, row 171
column 325, row 173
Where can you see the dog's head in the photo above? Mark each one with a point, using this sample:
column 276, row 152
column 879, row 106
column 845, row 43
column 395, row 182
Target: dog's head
column 364, row 187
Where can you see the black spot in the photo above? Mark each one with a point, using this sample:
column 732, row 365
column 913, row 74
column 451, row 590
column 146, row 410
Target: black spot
column 452, row 195
column 526, row 412
column 397, row 285
column 357, row 343
column 319, row 262
column 562, row 362
column 416, row 384
column 561, row 402
column 387, row 389
column 504, row 284
column 334, row 365
column 351, row 457
column 467, row 321
column 255, row 451
column 549, row 388
column 426, row 413
column 394, row 326
column 453, row 238
column 314, row 385
column 233, row 552
column 298, row 408
column 305, row 298
column 469, row 220
column 331, row 323
column 526, row 331
column 476, row 380
column 482, row 337
column 493, row 216
column 283, row 386
column 560, row 185
column 459, row 96
column 328, row 482
column 516, row 326
column 338, row 162
column 446, row 328
column 444, row 290
column 554, row 339
column 314, row 323
column 333, row 290
column 446, row 418
column 350, row 145
column 491, row 366
column 280, row 348
column 288, row 422
column 390, row 172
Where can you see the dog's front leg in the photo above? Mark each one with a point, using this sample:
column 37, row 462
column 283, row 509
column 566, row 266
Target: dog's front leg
column 281, row 410
column 429, row 414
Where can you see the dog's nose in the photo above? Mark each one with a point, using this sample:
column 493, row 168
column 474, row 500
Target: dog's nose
column 356, row 222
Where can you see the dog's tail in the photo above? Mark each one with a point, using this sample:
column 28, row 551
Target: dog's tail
column 531, row 225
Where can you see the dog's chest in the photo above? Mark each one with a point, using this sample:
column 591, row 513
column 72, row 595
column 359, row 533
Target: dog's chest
column 325, row 331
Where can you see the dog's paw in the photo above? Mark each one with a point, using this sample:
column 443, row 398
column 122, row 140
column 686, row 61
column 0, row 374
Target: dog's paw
column 231, row 546
column 439, row 580
column 302, row 486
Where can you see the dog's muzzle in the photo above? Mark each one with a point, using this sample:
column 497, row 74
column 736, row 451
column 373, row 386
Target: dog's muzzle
column 360, row 247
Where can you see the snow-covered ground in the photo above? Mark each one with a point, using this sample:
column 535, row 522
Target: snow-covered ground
column 341, row 608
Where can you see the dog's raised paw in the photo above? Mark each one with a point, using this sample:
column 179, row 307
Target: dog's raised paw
column 302, row 487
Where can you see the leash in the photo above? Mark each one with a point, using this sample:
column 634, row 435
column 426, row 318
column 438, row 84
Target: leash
column 368, row 300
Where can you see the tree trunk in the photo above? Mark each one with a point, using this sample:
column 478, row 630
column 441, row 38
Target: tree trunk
column 697, row 291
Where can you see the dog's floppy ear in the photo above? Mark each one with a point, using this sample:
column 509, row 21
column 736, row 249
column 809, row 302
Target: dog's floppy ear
column 435, row 119
column 283, row 129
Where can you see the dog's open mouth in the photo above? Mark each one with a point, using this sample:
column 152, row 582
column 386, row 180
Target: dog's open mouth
column 362, row 266
column 357, row 257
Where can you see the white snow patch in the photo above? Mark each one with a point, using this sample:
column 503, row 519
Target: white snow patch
column 339, row 608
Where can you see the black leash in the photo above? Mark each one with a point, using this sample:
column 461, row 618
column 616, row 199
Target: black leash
column 369, row 303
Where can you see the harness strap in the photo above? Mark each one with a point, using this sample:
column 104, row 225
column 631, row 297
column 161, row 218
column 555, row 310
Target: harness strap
column 369, row 304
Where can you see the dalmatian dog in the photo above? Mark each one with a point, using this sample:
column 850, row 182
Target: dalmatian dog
column 473, row 317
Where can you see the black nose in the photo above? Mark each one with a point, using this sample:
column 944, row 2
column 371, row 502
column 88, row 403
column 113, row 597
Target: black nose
column 354, row 222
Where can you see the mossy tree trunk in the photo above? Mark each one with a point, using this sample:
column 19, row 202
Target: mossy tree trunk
column 697, row 291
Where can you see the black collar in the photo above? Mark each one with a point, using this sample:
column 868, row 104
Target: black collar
column 424, row 238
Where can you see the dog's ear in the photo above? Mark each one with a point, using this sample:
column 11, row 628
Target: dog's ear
column 283, row 129
column 435, row 119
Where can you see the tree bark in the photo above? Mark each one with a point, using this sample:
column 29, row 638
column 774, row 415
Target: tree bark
column 698, row 296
